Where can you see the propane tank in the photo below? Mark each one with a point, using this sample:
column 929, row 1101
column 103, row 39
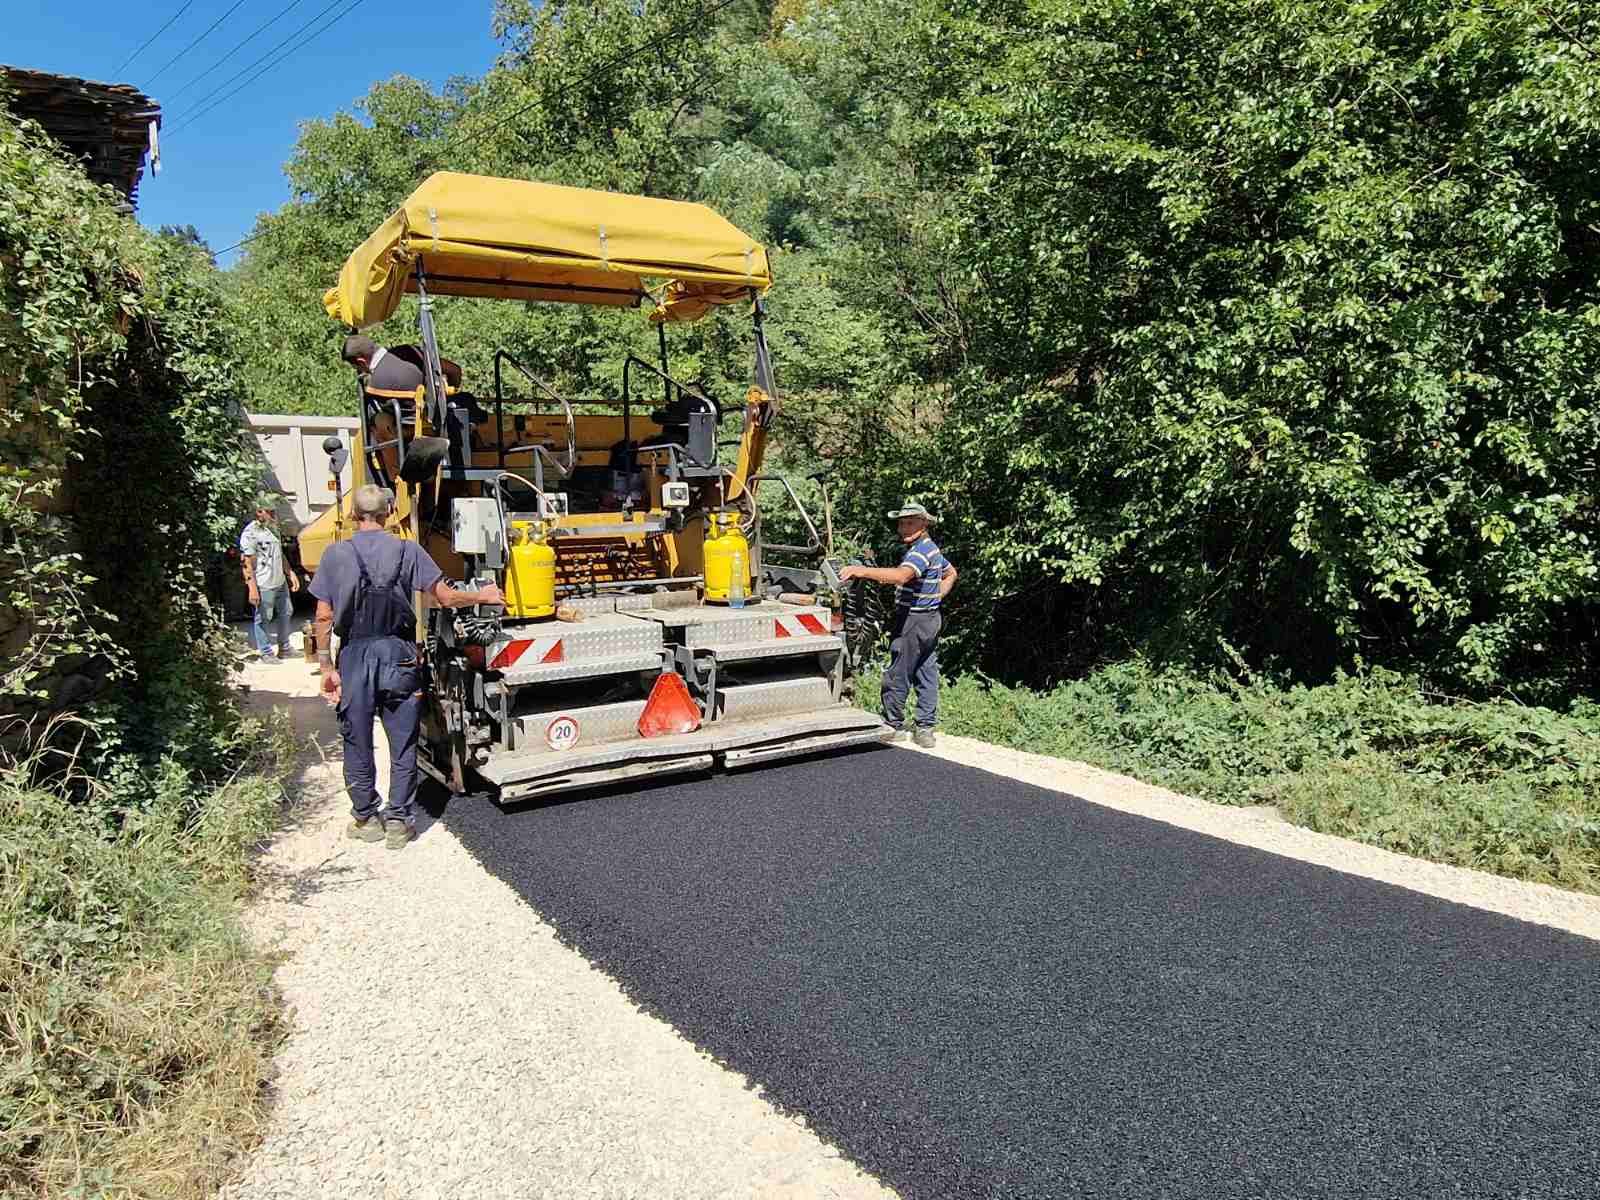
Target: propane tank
column 727, row 556
column 530, row 571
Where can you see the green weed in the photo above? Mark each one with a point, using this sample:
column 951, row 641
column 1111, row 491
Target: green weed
column 136, row 1023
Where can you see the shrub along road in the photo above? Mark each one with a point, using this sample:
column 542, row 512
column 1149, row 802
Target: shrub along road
column 977, row 987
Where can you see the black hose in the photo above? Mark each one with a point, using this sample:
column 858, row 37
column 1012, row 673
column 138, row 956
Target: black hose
column 862, row 608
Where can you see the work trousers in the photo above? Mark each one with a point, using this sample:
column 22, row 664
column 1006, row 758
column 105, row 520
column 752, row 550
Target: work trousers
column 380, row 680
column 273, row 611
column 913, row 659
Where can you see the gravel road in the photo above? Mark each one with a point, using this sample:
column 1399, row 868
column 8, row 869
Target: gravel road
column 973, row 985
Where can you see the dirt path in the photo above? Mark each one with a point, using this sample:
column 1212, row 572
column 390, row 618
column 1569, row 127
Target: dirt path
column 446, row 1044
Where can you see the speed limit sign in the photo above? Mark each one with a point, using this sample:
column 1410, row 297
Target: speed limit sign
column 561, row 734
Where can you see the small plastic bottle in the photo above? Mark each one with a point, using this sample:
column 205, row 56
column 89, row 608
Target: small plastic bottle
column 736, row 580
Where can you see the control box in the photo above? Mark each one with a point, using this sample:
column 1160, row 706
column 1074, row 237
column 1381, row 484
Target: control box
column 475, row 527
column 675, row 495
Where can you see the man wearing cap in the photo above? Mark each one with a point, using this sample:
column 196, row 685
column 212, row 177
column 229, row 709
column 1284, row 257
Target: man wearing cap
column 922, row 581
column 364, row 593
column 268, row 580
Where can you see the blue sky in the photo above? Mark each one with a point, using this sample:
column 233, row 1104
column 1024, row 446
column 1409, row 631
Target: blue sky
column 227, row 166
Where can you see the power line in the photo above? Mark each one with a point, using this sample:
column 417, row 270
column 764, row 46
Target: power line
column 187, row 6
column 258, row 31
column 201, row 107
column 587, row 77
column 190, row 117
column 238, row 4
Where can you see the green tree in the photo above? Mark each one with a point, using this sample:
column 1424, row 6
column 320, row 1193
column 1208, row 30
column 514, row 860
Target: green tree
column 1208, row 326
column 1281, row 328
column 186, row 235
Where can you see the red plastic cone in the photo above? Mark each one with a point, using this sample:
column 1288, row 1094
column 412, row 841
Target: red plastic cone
column 670, row 708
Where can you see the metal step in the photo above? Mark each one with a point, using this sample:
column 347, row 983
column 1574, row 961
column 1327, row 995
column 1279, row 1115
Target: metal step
column 578, row 779
column 584, row 668
column 749, row 756
column 619, row 720
column 604, row 643
column 773, row 698
column 596, row 723
column 778, row 648
column 712, row 626
column 543, row 771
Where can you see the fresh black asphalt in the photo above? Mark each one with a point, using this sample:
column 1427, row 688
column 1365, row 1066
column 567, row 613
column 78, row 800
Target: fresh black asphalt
column 976, row 987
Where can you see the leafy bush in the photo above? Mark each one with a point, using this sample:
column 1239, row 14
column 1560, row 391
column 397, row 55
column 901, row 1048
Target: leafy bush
column 134, row 1019
column 1279, row 326
column 123, row 464
column 1498, row 786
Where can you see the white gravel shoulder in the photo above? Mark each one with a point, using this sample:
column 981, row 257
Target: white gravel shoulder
column 445, row 1044
column 1265, row 830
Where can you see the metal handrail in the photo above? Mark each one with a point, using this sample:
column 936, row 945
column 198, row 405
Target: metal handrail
column 627, row 393
column 563, row 471
column 374, row 449
column 816, row 548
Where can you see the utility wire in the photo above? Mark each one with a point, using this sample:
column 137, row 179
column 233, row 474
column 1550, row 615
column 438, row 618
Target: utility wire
column 238, row 4
column 605, row 66
column 201, row 108
column 258, row 31
column 187, row 6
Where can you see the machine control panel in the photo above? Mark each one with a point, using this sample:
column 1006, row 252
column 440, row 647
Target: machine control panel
column 475, row 527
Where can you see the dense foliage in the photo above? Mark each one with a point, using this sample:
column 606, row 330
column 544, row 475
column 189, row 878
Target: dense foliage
column 123, row 465
column 135, row 1021
column 1266, row 326
column 1318, row 283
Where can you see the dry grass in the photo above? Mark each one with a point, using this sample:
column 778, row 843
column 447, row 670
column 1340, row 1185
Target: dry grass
column 137, row 1024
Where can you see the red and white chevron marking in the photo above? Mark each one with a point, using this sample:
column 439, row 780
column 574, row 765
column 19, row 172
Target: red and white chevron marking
column 803, row 625
column 530, row 652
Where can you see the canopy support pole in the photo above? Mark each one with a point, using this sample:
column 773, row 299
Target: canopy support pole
column 763, row 371
column 433, row 375
column 666, row 383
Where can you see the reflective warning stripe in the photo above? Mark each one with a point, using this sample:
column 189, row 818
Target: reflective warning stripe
column 537, row 651
column 804, row 625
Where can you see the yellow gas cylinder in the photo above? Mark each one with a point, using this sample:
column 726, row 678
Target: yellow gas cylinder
column 530, row 572
column 727, row 559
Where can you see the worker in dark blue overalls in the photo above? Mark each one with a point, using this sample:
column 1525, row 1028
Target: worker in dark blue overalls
column 364, row 589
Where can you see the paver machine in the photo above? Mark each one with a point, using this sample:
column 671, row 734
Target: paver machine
column 648, row 628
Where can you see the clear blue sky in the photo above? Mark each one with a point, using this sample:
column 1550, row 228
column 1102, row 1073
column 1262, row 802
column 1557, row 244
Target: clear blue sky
column 219, row 172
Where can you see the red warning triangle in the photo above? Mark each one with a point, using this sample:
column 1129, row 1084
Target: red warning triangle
column 670, row 708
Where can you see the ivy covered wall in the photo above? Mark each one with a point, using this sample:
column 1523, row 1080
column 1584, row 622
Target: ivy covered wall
column 123, row 468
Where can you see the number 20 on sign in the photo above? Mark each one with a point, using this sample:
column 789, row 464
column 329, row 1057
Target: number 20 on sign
column 561, row 734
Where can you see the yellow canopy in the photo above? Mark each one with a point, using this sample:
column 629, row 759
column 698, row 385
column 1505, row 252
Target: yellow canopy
column 510, row 239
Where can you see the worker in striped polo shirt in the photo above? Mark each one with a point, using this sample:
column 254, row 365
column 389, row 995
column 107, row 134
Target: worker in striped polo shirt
column 922, row 581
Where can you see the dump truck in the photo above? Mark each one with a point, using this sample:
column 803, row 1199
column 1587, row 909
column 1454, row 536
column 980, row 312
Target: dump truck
column 293, row 457
column 649, row 629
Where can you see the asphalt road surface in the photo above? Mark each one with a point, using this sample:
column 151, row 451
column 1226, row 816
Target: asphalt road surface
column 980, row 988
